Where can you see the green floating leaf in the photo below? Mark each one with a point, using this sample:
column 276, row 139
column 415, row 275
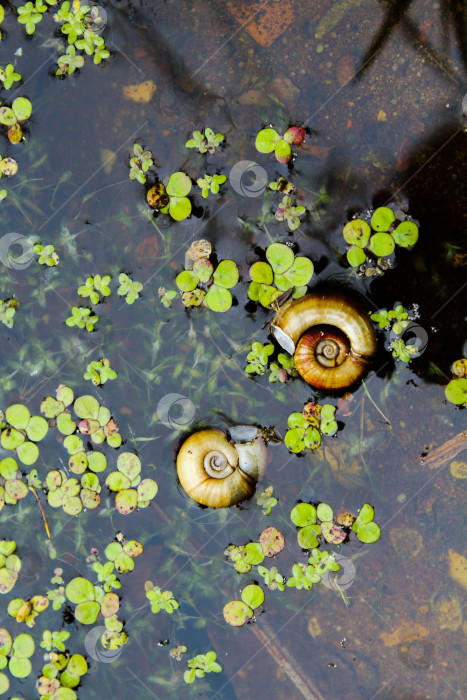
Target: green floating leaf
column 266, row 140
column 226, row 274
column 307, row 536
column 456, row 391
column 324, row 512
column 406, row 234
column 86, row 407
column 261, row 273
column 357, row 233
column 253, row 596
column 218, row 299
column 382, row 244
column 179, row 185
column 237, row 613
column 22, row 108
column 280, row 257
column 37, row 428
column 80, row 590
column 294, row 440
column 355, row 256
column 87, row 612
column 179, row 208
column 301, row 272
column 17, row 416
column 28, row 453
column 368, row 533
column 382, row 219
column 303, row 514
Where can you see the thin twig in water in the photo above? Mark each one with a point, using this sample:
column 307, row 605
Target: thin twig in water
column 378, row 409
column 448, row 450
column 46, row 525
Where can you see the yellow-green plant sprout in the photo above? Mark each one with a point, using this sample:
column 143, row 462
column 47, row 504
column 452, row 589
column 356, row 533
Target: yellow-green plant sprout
column 8, row 76
column 140, row 162
column 99, row 372
column 287, row 211
column 46, row 255
column 210, row 184
column 267, row 500
column 272, row 578
column 82, row 317
column 128, row 288
column 206, row 142
column 95, row 285
column 159, row 599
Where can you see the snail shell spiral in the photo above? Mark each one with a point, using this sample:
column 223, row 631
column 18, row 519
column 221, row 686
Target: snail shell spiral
column 219, row 473
column 330, row 336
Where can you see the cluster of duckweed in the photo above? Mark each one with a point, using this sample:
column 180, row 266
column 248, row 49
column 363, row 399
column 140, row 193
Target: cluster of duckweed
column 306, row 428
column 371, row 240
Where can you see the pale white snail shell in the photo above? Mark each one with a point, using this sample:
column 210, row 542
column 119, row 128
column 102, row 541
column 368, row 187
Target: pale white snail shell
column 217, row 472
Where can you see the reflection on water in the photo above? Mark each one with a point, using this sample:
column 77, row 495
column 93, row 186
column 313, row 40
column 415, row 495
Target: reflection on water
column 397, row 132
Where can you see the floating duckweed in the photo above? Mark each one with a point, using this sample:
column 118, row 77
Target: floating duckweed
column 372, row 240
column 253, row 596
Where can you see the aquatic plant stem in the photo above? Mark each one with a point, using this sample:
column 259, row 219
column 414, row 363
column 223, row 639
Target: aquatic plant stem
column 377, row 408
column 46, row 525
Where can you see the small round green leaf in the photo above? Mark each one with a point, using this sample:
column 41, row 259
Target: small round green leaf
column 357, row 233
column 406, row 234
column 382, row 244
column 382, row 219
column 303, row 514
column 266, row 140
column 253, row 596
column 280, row 257
column 261, row 273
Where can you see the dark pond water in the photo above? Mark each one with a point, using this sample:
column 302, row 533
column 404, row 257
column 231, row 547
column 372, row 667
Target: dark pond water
column 379, row 88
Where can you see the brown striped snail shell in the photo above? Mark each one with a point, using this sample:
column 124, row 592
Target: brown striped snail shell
column 217, row 472
column 330, row 336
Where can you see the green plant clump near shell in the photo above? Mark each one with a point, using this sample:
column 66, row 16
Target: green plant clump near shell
column 283, row 270
column 306, row 428
column 260, row 356
column 218, row 282
column 131, row 491
column 374, row 238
